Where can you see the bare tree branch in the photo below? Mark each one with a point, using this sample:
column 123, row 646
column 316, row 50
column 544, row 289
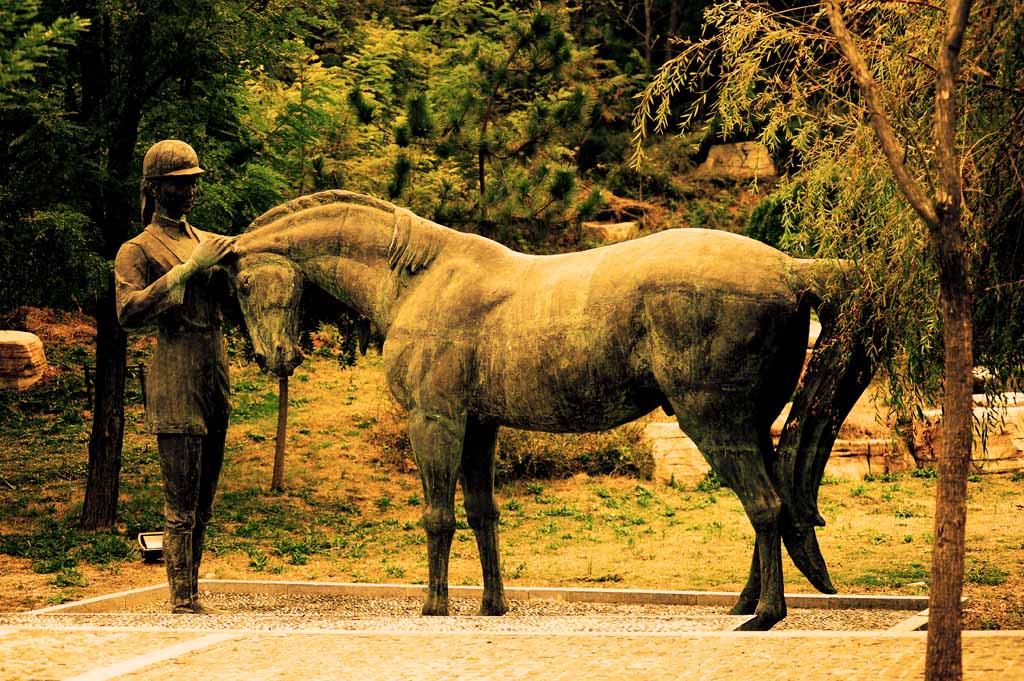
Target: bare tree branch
column 891, row 147
column 945, row 107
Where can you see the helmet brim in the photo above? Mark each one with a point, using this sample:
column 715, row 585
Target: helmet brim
column 184, row 172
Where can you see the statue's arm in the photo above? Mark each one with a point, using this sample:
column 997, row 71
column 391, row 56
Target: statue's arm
column 138, row 299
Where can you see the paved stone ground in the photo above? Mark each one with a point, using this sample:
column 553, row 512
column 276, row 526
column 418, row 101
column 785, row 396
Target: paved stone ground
column 82, row 652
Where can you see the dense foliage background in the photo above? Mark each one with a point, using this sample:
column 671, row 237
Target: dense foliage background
column 501, row 118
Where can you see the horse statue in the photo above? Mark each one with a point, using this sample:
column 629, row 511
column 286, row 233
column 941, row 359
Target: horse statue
column 709, row 326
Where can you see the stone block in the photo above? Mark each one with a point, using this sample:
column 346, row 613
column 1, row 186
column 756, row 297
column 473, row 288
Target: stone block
column 739, row 160
column 676, row 458
column 1003, row 448
column 22, row 360
column 610, row 232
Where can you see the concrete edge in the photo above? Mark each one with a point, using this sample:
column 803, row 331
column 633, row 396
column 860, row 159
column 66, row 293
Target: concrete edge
column 121, row 600
column 126, row 599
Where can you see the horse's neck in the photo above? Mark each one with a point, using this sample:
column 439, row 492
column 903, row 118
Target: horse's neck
column 362, row 256
column 368, row 287
column 346, row 254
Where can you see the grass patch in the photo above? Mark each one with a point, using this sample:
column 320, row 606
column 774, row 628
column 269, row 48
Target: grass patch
column 893, row 577
column 989, row 575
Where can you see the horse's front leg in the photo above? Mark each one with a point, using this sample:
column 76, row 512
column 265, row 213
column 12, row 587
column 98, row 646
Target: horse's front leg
column 437, row 446
column 481, row 511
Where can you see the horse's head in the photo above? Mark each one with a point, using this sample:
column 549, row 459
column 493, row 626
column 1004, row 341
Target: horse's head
column 269, row 290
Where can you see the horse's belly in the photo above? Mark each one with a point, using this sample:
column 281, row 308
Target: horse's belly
column 557, row 391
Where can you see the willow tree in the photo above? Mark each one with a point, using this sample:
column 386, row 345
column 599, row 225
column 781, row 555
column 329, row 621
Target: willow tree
column 902, row 129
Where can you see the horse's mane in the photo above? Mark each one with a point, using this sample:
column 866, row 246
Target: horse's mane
column 415, row 241
column 320, row 199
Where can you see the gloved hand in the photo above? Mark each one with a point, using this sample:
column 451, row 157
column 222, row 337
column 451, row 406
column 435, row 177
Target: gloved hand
column 206, row 255
column 211, row 251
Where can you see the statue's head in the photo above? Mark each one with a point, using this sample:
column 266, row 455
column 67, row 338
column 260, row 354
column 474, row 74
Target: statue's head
column 269, row 292
column 170, row 174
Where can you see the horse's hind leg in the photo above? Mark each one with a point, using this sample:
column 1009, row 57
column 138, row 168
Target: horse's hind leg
column 735, row 452
column 437, row 445
column 481, row 511
column 751, row 593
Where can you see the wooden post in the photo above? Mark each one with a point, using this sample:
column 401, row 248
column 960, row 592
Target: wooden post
column 277, row 483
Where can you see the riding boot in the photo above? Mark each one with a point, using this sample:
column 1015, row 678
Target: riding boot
column 178, row 560
column 197, row 557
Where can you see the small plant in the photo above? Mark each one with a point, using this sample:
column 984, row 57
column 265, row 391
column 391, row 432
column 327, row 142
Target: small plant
column 1017, row 477
column 383, row 503
column 857, row 490
column 414, row 500
column 988, row 575
column 257, row 559
column 710, row 483
column 928, row 473
column 535, row 488
column 69, row 577
column 514, row 506
column 516, row 572
column 394, row 571
column 973, row 477
column 643, row 496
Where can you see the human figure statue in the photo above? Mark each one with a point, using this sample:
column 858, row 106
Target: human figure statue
column 166, row 274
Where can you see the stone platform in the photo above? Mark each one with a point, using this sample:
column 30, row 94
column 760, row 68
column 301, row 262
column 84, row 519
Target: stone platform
column 111, row 637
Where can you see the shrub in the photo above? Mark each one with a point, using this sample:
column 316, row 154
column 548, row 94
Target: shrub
column 525, row 455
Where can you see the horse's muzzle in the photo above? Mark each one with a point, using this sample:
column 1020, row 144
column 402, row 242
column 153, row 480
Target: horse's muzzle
column 283, row 362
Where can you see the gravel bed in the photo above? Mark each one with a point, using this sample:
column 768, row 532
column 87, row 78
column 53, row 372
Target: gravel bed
column 272, row 612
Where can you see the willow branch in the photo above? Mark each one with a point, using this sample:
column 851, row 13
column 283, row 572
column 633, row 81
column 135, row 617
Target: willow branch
column 891, row 147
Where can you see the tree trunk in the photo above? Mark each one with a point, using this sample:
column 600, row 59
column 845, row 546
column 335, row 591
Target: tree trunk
column 673, row 29
column 101, row 491
column 277, row 479
column 649, row 36
column 944, row 658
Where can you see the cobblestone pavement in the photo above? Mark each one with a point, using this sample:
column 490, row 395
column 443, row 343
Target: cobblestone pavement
column 84, row 652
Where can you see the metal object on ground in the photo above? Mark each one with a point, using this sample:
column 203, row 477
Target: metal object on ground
column 151, row 544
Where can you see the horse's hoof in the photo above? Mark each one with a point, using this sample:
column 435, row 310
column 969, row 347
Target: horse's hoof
column 744, row 607
column 433, row 609
column 760, row 622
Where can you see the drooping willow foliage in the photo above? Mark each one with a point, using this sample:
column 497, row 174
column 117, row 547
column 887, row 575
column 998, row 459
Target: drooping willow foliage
column 772, row 71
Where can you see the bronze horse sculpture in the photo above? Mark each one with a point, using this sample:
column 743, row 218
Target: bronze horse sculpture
column 710, row 326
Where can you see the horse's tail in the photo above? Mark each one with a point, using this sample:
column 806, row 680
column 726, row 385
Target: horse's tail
column 839, row 370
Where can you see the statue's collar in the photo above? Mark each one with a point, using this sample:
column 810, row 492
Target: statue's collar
column 180, row 225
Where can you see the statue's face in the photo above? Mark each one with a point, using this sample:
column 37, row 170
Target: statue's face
column 177, row 195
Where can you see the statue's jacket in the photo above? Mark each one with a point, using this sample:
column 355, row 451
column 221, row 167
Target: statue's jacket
column 187, row 391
